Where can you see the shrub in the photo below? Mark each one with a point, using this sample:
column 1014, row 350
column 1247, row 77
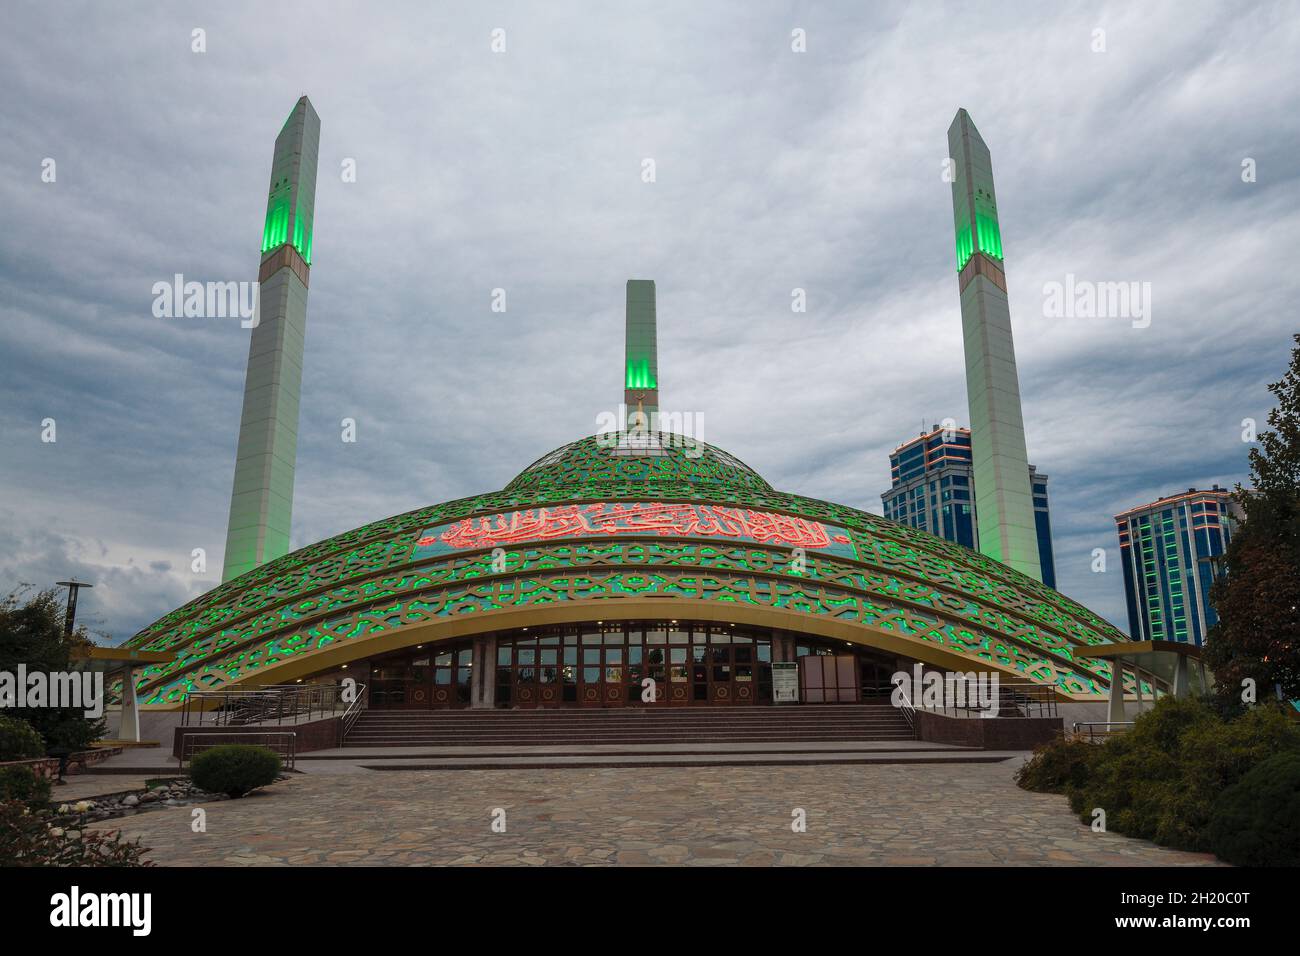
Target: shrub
column 68, row 729
column 1214, row 756
column 1160, row 780
column 32, row 634
column 19, row 740
column 39, row 838
column 1057, row 766
column 24, row 785
column 234, row 769
column 1256, row 821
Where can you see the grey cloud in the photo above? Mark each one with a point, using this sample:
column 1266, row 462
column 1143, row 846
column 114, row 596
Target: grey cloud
column 775, row 171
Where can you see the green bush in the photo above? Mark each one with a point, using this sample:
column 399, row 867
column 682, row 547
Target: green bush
column 19, row 740
column 39, row 838
column 234, row 769
column 24, row 785
column 1159, row 781
column 1057, row 766
column 1256, row 821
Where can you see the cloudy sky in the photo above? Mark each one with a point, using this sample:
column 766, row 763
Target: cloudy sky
column 522, row 170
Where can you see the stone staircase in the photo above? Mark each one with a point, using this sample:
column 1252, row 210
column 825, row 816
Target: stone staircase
column 804, row 724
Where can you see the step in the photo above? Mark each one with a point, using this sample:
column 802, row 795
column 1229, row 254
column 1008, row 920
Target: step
column 631, row 725
column 741, row 711
column 790, row 735
column 823, row 725
column 676, row 760
column 686, row 721
column 435, row 742
column 515, row 731
column 409, row 741
column 697, row 747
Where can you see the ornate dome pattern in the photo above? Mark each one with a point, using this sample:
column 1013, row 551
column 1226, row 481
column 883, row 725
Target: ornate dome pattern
column 713, row 538
column 656, row 457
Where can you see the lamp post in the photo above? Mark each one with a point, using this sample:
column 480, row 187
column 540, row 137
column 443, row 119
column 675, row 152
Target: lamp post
column 70, row 616
column 69, row 619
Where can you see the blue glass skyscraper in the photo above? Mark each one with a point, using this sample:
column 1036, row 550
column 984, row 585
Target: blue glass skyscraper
column 1169, row 549
column 932, row 489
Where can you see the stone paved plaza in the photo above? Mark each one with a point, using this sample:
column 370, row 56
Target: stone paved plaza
column 886, row 814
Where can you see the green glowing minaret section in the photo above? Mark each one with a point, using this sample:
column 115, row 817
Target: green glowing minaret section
column 261, row 501
column 641, row 381
column 1003, row 496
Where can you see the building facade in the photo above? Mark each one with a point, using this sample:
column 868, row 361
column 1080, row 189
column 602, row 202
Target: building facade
column 1170, row 549
column 622, row 569
column 601, row 566
column 932, row 489
column 660, row 572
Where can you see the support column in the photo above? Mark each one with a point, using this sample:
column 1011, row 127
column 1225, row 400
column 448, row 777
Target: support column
column 782, row 648
column 1115, row 713
column 483, row 685
column 130, row 724
column 1182, row 678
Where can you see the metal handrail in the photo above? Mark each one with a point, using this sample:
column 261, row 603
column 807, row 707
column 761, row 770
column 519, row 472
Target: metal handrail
column 287, row 747
column 1014, row 699
column 261, row 705
column 354, row 709
column 1092, row 735
column 909, row 712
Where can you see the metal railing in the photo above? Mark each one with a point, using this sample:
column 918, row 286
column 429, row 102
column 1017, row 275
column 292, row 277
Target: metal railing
column 1109, row 729
column 354, row 711
column 908, row 711
column 275, row 704
column 283, row 742
column 1014, row 699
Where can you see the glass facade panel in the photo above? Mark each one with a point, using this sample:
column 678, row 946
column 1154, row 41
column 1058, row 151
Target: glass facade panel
column 584, row 666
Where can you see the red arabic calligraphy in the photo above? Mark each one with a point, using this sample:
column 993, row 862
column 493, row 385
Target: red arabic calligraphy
column 654, row 518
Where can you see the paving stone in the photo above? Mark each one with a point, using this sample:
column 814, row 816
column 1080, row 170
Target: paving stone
column 908, row 815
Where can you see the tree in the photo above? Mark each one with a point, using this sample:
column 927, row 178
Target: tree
column 32, row 634
column 1258, row 598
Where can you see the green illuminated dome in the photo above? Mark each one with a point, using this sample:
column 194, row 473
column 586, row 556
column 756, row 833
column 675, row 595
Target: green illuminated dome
column 591, row 531
column 656, row 460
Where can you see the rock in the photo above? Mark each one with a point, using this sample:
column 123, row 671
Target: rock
column 56, row 831
column 149, row 797
column 131, row 801
column 74, row 834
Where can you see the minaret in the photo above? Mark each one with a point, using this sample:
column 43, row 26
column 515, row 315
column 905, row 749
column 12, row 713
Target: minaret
column 261, row 502
column 641, row 383
column 1003, row 499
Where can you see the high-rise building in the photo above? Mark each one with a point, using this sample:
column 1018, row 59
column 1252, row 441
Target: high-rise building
column 261, row 501
column 1003, row 493
column 932, row 488
column 1169, row 549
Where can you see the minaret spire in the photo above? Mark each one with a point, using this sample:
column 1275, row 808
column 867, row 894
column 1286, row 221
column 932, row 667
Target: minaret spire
column 261, row 501
column 641, row 378
column 1003, row 497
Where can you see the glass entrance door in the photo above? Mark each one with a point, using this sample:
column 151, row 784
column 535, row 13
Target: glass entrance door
column 614, row 692
column 401, row 683
column 603, row 676
column 606, row 664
